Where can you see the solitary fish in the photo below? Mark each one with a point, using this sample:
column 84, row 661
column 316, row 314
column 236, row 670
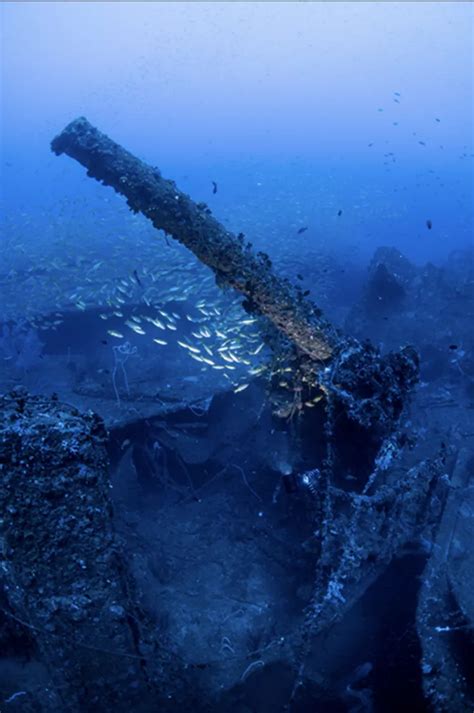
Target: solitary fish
column 429, row 224
column 135, row 328
column 214, row 187
column 302, row 230
column 195, row 350
column 339, row 213
column 207, row 361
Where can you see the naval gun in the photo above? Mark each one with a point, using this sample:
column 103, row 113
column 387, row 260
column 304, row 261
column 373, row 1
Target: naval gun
column 368, row 387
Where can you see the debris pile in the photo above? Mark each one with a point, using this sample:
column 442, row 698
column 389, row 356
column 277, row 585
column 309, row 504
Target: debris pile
column 65, row 585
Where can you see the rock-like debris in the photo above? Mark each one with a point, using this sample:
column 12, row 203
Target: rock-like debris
column 64, row 578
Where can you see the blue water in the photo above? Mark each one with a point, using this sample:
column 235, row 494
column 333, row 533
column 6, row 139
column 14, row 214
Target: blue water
column 296, row 112
column 322, row 131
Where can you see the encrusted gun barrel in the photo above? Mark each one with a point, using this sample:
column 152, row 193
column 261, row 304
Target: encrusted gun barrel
column 171, row 210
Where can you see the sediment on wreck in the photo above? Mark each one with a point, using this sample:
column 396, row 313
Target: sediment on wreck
column 63, row 577
column 369, row 388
